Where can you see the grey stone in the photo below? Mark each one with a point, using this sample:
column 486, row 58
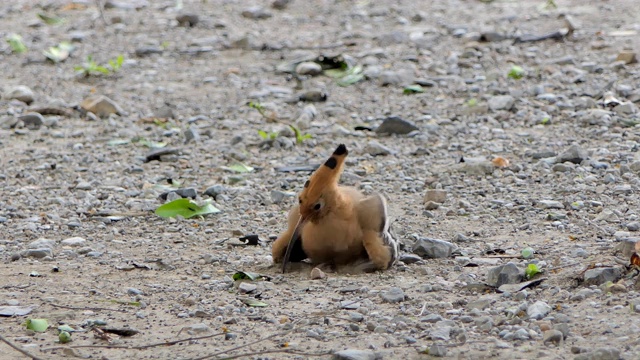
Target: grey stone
column 73, row 241
column 433, row 248
column 354, row 354
column 396, row 78
column 191, row 134
column 626, row 108
column 21, row 93
column 277, row 196
column 32, row 121
column 504, row 274
column 309, row 68
column 42, row 243
column 633, row 226
column 550, row 204
column 538, row 310
column 392, row 295
column 375, row 148
column 430, row 205
column 256, row 13
column 501, row 102
column 215, row 190
column 438, row 350
column 187, row 20
column 477, row 167
column 396, row 125
column 521, row 334
column 440, row 332
column 182, row 193
column 409, row 258
column 561, row 168
column 435, row 195
column 604, row 353
column 431, row 318
column 134, row 291
column 563, row 328
column 246, row 287
column 574, row 154
column 38, row 253
column 198, row 328
column 600, row 276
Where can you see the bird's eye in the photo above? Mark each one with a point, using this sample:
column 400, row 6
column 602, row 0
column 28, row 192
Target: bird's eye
column 317, row 206
column 299, row 201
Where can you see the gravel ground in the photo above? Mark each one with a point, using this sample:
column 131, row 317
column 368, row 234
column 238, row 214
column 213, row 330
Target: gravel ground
column 521, row 134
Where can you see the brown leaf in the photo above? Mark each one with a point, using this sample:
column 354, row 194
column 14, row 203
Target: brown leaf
column 635, row 260
column 499, row 161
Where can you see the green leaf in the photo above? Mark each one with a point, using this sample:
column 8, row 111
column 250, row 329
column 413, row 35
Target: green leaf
column 15, row 41
column 101, row 69
column 263, row 134
column 335, row 73
column 472, row 102
column 151, row 144
column 37, row 325
column 64, row 337
column 185, row 208
column 516, row 72
column 244, row 275
column 253, row 302
column 66, row 328
column 350, row 79
column 531, row 271
column 116, row 142
column 239, row 167
column 60, row 52
column 527, row 253
column 413, row 89
column 50, row 20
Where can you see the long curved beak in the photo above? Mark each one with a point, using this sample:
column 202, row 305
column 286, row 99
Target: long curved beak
column 295, row 237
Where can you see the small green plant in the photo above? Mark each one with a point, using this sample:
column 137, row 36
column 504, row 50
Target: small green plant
column 516, row 72
column 472, row 102
column 268, row 135
column 531, row 271
column 91, row 67
column 17, row 46
column 300, row 137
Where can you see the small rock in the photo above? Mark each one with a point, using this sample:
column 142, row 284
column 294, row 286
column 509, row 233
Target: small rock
column 42, row 243
column 354, row 354
column 574, row 154
column 74, row 241
column 440, row 331
column 396, row 78
column 409, row 258
column 38, row 253
column 600, row 276
column 435, row 195
column 550, row 204
column 280, row 4
column 313, row 96
column 538, row 310
column 183, row 193
column 479, row 167
column 437, row 350
column 433, row 248
column 627, row 57
column 21, row 93
column 633, row 226
column 101, row 106
column 504, row 274
column 317, row 274
column 246, row 287
column 215, row 190
column 256, row 13
column 604, row 353
column 626, row 108
column 148, row 50
column 501, row 102
column 191, row 134
column 198, row 328
column 396, row 125
column 187, row 20
column 309, row 68
column 32, row 121
column 278, row 196
column 134, row 291
column 430, row 205
column 392, row 295
column 375, row 148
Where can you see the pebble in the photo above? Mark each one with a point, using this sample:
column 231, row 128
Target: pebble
column 374, row 148
column 32, row 121
column 215, row 190
column 433, row 248
column 438, row 350
column 392, row 295
column 134, row 291
column 504, row 274
column 538, row 310
column 501, row 102
column 574, row 154
column 74, row 241
column 317, row 274
column 198, row 328
column 313, row 95
column 278, row 196
column 550, row 204
column 409, row 258
column 256, row 13
column 187, row 20
column 627, row 57
column 354, row 354
column 182, row 193
column 600, row 276
column 396, row 125
column 604, row 353
column 21, row 93
column 101, row 106
column 396, row 78
column 246, row 287
column 38, row 253
column 309, row 68
column 42, row 243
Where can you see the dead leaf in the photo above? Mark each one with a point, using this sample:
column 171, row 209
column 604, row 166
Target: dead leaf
column 635, row 260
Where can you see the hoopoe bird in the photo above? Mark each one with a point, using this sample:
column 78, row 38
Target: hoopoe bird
column 337, row 225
